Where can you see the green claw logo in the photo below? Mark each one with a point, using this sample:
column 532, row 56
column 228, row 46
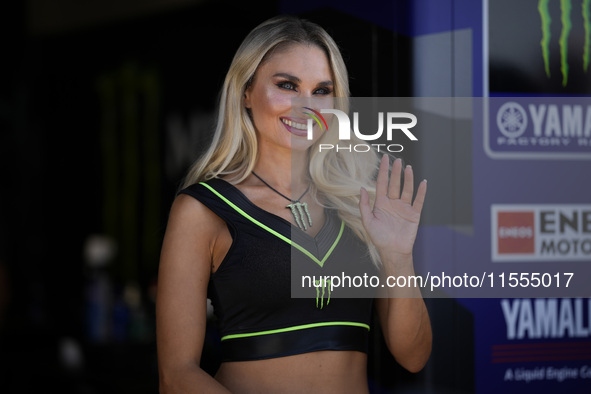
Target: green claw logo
column 326, row 285
column 565, row 9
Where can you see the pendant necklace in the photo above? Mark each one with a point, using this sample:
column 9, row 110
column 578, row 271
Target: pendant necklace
column 297, row 208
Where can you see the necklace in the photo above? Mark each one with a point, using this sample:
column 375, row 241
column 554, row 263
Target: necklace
column 297, row 208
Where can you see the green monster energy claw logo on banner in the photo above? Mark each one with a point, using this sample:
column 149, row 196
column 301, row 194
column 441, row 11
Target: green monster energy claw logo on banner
column 565, row 8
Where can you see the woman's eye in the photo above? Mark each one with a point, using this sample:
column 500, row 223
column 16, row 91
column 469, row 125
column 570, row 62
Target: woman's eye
column 323, row 91
column 286, row 85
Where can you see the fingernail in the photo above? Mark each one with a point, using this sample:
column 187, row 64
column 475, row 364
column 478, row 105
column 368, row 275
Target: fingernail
column 408, row 166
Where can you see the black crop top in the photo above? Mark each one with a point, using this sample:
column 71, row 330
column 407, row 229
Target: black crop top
column 251, row 291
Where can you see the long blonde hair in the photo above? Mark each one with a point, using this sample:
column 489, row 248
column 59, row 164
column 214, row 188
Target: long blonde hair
column 337, row 178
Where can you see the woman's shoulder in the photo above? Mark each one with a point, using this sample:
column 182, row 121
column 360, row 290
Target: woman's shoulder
column 205, row 187
column 193, row 215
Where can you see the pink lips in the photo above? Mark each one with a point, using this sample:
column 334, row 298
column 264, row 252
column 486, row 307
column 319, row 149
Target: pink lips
column 294, row 130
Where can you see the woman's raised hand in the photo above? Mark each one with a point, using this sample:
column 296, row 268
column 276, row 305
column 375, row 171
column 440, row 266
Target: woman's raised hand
column 393, row 222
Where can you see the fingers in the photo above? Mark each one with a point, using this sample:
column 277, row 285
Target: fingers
column 364, row 207
column 420, row 198
column 394, row 189
column 408, row 188
column 382, row 180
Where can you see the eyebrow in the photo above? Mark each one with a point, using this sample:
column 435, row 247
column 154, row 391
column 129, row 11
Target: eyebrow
column 295, row 79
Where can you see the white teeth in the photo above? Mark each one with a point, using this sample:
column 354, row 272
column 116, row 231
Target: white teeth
column 295, row 125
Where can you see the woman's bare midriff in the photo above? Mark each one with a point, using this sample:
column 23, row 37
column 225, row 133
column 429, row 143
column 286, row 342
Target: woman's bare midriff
column 318, row 372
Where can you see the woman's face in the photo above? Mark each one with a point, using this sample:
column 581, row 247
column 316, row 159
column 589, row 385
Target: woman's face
column 298, row 71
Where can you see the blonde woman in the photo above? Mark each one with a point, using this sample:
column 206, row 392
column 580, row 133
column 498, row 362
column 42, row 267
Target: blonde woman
column 232, row 230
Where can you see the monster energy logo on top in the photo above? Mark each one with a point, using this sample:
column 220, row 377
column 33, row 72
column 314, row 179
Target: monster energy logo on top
column 565, row 8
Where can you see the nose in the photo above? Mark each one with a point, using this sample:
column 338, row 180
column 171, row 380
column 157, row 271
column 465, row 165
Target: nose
column 300, row 103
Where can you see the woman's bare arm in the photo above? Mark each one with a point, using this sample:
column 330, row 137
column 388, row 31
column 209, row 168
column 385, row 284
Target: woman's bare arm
column 392, row 224
column 404, row 318
column 181, row 306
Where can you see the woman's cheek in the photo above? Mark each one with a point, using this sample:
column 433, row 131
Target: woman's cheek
column 280, row 102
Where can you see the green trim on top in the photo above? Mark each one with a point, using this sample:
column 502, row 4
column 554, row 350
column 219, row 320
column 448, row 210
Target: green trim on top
column 295, row 328
column 275, row 233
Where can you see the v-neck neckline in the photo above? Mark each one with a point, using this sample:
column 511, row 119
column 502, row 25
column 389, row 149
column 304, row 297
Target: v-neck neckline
column 292, row 230
column 318, row 248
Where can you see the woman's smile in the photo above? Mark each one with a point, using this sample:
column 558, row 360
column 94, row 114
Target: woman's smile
column 298, row 127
